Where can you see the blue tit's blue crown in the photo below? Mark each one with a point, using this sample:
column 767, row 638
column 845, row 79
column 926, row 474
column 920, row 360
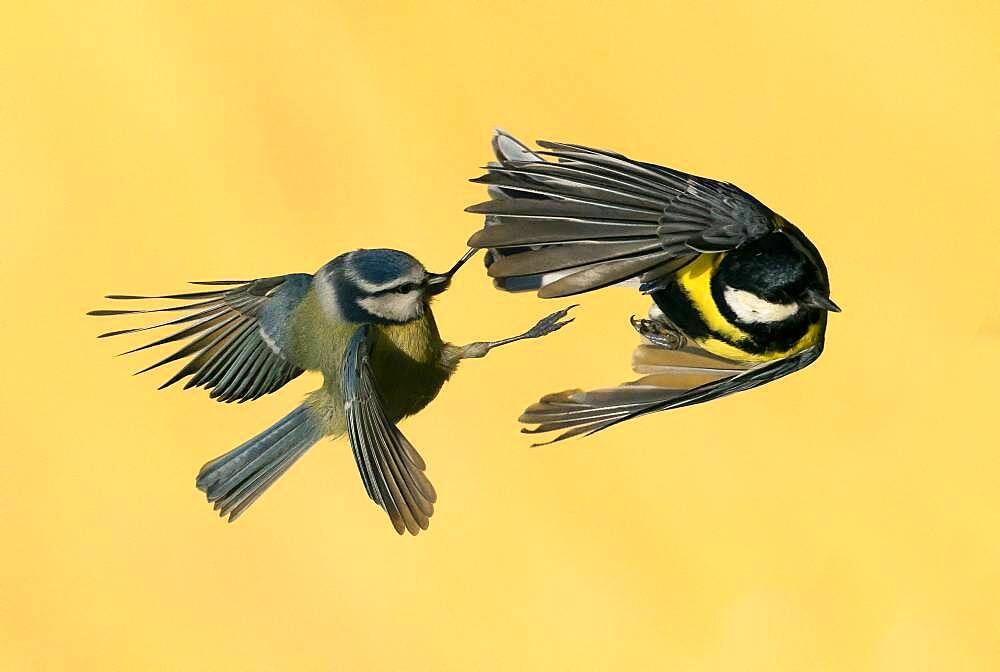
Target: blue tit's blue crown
column 382, row 265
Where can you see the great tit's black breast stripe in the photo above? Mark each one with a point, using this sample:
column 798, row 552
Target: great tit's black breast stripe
column 678, row 306
column 688, row 317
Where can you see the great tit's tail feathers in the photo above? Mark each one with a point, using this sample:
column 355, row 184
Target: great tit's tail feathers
column 669, row 377
column 233, row 481
column 677, row 379
column 576, row 412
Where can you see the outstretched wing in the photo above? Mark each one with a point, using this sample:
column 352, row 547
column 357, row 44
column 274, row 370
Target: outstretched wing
column 236, row 335
column 594, row 218
column 391, row 469
column 673, row 379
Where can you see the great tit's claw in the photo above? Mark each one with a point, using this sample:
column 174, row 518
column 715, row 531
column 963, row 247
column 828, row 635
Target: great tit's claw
column 658, row 333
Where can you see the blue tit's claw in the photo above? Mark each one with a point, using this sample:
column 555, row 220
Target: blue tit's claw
column 551, row 323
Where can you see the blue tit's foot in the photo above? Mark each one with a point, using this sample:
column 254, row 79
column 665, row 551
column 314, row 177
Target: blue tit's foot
column 475, row 350
column 545, row 326
column 549, row 324
column 658, row 333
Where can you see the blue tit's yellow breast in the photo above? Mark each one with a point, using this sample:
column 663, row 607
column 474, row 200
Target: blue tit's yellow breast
column 406, row 358
column 406, row 361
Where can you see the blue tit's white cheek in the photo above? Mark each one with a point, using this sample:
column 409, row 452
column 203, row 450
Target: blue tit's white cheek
column 750, row 308
column 394, row 306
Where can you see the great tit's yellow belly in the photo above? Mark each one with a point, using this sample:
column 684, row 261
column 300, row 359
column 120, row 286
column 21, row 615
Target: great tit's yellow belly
column 690, row 304
column 725, row 349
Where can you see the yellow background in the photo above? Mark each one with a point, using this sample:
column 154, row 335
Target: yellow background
column 846, row 518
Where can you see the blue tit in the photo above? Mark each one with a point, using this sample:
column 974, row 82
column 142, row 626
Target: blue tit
column 364, row 321
column 740, row 295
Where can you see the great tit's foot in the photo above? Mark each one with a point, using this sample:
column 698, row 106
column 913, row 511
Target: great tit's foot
column 658, row 333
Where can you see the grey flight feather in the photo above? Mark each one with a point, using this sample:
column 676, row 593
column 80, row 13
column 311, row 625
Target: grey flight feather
column 589, row 199
column 235, row 480
column 390, row 468
column 580, row 412
column 236, row 335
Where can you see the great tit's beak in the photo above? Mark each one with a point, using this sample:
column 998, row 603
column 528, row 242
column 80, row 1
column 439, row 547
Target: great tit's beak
column 816, row 300
column 438, row 282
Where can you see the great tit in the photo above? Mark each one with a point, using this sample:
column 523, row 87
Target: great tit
column 364, row 320
column 740, row 295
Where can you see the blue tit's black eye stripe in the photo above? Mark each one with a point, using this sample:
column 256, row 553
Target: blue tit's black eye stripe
column 404, row 288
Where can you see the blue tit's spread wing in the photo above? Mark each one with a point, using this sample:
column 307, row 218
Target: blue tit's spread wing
column 674, row 379
column 391, row 469
column 235, row 335
column 594, row 218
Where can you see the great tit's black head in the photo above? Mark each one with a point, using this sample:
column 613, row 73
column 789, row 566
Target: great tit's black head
column 380, row 286
column 772, row 279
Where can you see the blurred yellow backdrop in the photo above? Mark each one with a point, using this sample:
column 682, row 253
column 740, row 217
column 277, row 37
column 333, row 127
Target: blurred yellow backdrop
column 845, row 518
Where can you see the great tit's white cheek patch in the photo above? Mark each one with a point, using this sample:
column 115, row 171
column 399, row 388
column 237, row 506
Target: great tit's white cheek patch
column 750, row 308
column 394, row 306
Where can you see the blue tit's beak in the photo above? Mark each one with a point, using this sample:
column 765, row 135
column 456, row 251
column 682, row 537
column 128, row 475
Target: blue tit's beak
column 438, row 282
column 815, row 299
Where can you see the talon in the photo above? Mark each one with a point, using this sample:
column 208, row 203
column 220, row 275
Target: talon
column 658, row 333
column 551, row 323
column 559, row 325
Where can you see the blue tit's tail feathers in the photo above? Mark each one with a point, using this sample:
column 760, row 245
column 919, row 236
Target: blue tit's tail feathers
column 233, row 481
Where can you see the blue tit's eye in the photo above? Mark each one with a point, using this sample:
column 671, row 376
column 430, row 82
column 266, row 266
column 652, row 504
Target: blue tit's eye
column 406, row 288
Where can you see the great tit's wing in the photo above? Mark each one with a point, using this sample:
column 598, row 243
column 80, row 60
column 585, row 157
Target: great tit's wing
column 674, row 379
column 507, row 148
column 594, row 218
column 391, row 469
column 236, row 335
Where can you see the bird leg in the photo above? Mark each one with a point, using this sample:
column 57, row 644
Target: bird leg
column 659, row 332
column 545, row 326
